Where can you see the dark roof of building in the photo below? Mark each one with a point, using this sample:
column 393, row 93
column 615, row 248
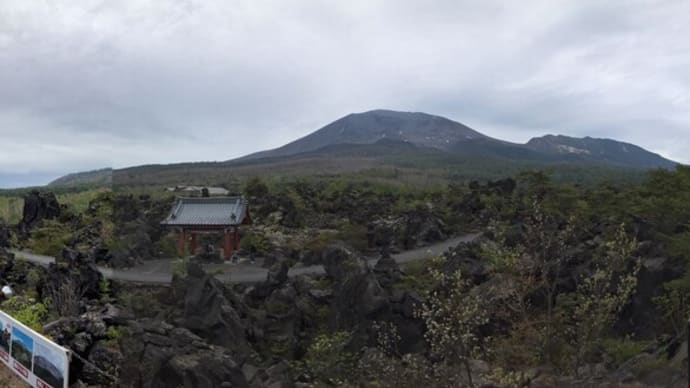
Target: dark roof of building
column 215, row 211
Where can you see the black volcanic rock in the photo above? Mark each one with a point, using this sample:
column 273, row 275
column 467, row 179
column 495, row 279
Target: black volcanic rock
column 4, row 235
column 387, row 271
column 75, row 267
column 158, row 355
column 38, row 206
column 357, row 297
column 213, row 312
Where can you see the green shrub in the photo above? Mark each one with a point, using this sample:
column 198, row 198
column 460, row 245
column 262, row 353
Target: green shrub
column 26, row 311
column 114, row 333
column 167, row 246
column 320, row 242
column 326, row 360
column 255, row 241
column 104, row 286
column 621, row 350
column 11, row 209
column 49, row 238
column 33, row 280
column 179, row 267
column 417, row 276
column 355, row 236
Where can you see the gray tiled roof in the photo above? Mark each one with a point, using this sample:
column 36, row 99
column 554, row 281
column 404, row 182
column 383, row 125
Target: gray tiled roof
column 208, row 211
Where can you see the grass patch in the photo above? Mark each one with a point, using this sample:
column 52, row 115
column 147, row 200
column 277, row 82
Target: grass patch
column 11, row 209
column 621, row 350
column 416, row 276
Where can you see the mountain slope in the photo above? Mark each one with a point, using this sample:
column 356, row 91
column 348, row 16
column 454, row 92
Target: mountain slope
column 602, row 150
column 93, row 178
column 420, row 129
column 381, row 139
column 429, row 131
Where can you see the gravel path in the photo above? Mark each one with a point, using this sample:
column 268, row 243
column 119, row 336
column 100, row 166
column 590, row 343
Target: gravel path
column 160, row 271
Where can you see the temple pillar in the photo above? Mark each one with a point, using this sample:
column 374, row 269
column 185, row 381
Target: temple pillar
column 192, row 243
column 227, row 247
column 181, row 239
column 237, row 238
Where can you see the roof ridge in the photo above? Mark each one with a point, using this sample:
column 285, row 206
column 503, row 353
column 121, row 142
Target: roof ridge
column 209, row 211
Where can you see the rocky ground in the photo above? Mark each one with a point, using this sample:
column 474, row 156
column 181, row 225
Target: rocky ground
column 203, row 333
column 302, row 331
column 9, row 380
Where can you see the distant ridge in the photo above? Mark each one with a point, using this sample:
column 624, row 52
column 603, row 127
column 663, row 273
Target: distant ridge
column 425, row 130
column 103, row 176
column 604, row 150
column 381, row 139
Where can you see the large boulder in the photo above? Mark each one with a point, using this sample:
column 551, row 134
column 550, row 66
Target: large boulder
column 4, row 234
column 213, row 312
column 387, row 271
column 137, row 228
column 414, row 228
column 6, row 264
column 641, row 315
column 276, row 278
column 466, row 257
column 158, row 355
column 38, row 206
column 357, row 296
column 421, row 227
column 96, row 359
column 73, row 277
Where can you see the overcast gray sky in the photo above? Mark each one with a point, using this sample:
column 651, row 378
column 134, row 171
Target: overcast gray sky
column 87, row 84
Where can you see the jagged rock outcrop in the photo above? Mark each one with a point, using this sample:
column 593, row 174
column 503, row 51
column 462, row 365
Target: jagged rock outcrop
column 412, row 229
column 466, row 257
column 387, row 271
column 4, row 234
column 213, row 312
column 97, row 358
column 6, row 265
column 276, row 278
column 284, row 311
column 38, row 206
column 641, row 315
column 357, row 295
column 421, row 227
column 137, row 227
column 73, row 273
column 159, row 355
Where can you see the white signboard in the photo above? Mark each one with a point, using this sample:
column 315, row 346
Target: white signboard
column 34, row 358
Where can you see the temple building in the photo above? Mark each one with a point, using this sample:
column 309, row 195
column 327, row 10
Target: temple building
column 193, row 216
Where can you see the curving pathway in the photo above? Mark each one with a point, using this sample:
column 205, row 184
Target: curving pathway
column 160, row 271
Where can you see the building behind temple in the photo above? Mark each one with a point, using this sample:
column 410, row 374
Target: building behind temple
column 198, row 191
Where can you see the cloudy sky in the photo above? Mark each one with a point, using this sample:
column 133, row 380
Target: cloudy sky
column 90, row 83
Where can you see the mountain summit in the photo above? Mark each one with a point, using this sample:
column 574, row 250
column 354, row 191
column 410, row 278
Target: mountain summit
column 429, row 131
column 412, row 140
column 420, row 129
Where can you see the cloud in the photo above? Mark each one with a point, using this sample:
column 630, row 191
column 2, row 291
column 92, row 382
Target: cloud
column 95, row 83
